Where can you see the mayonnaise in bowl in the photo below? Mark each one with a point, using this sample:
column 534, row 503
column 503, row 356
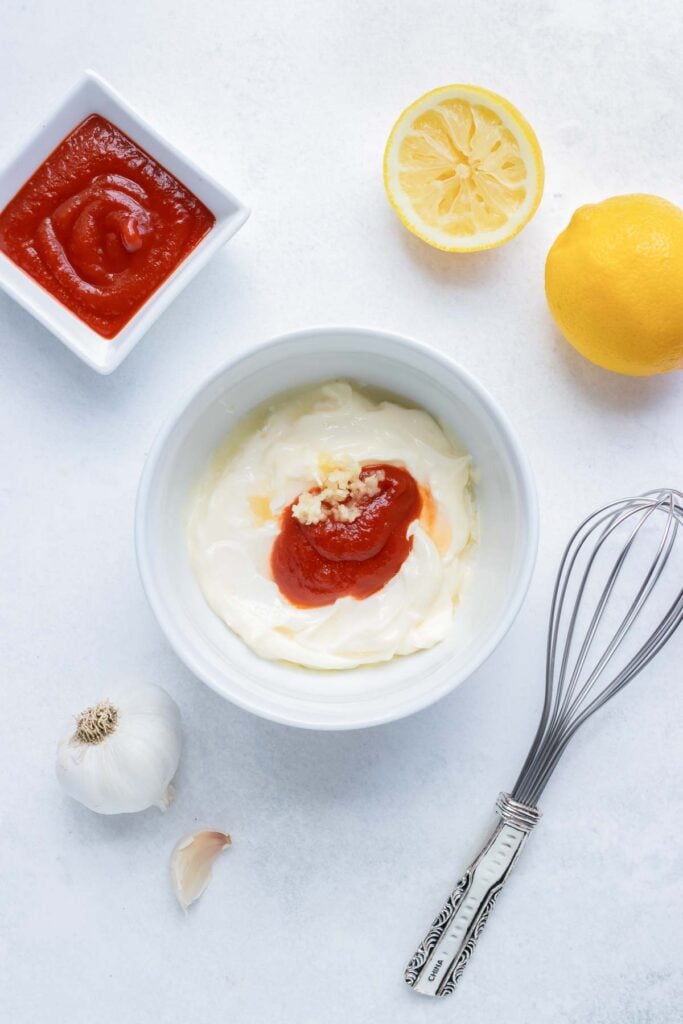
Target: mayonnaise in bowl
column 335, row 489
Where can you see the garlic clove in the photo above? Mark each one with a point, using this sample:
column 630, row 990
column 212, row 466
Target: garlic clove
column 191, row 863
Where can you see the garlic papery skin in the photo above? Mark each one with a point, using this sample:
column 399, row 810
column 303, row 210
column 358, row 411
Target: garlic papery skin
column 124, row 751
column 191, row 863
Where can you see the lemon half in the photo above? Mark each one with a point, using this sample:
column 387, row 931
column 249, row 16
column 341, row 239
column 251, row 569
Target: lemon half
column 463, row 169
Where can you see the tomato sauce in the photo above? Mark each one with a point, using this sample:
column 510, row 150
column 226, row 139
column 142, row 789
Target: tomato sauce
column 313, row 565
column 100, row 225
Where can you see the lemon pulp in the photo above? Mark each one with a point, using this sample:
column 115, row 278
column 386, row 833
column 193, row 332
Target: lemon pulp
column 463, row 169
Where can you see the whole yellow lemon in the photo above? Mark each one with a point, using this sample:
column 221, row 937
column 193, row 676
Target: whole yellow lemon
column 614, row 284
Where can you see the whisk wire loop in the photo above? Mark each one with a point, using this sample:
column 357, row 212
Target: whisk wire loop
column 573, row 700
column 572, row 694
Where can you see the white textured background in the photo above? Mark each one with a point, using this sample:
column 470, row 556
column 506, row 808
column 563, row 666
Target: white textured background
column 344, row 844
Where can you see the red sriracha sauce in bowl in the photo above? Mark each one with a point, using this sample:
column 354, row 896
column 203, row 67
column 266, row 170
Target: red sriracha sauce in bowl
column 101, row 225
column 314, row 564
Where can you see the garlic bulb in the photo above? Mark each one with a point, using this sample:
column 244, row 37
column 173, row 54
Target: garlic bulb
column 191, row 863
column 124, row 752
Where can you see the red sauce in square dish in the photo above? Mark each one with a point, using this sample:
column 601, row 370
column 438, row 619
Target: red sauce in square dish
column 100, row 225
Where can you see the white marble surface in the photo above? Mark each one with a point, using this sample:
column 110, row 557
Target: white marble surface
column 344, row 844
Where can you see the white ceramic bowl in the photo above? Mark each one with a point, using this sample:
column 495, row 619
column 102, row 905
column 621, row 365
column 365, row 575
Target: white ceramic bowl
column 92, row 95
column 363, row 696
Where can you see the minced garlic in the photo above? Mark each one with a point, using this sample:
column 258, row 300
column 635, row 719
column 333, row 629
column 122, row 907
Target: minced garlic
column 340, row 495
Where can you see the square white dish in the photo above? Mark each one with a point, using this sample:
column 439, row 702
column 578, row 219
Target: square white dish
column 92, row 95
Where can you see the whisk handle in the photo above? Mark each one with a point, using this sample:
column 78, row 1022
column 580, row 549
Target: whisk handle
column 443, row 954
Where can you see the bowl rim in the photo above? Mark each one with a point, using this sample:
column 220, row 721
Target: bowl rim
column 528, row 498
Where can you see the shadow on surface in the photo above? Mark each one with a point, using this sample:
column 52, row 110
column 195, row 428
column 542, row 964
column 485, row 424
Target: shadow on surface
column 454, row 268
column 614, row 391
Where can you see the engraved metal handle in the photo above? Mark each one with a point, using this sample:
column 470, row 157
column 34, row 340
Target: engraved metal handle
column 443, row 954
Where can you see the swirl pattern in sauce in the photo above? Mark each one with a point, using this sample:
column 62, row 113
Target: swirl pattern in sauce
column 100, row 225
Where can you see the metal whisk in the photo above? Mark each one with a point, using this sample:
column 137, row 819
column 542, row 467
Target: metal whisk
column 617, row 600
